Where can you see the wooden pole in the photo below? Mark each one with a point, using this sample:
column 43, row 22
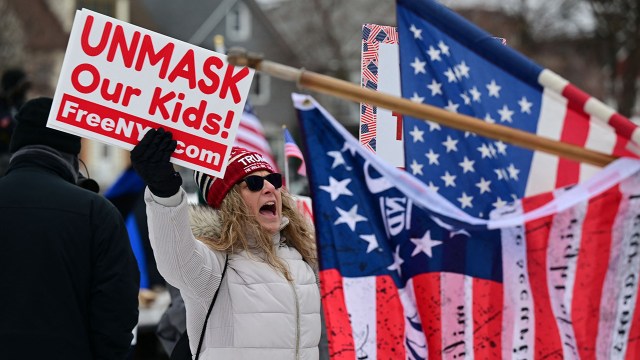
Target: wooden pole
column 346, row 90
column 286, row 162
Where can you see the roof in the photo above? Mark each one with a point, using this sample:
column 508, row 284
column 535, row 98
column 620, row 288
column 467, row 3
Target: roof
column 327, row 34
column 42, row 29
column 194, row 21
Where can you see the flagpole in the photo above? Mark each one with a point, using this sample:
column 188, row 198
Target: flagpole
column 286, row 162
column 346, row 90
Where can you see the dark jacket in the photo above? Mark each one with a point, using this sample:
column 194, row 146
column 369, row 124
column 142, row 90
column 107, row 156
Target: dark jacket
column 68, row 276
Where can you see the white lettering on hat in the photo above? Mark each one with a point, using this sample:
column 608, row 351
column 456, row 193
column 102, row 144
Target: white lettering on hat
column 250, row 159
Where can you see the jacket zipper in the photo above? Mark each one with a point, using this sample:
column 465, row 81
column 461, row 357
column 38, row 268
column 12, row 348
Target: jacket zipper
column 295, row 293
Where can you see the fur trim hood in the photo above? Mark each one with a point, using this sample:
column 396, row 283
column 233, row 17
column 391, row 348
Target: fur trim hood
column 205, row 222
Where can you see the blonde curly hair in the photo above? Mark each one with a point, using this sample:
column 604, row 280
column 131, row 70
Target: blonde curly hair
column 238, row 226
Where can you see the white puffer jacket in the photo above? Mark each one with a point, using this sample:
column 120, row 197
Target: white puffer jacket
column 258, row 314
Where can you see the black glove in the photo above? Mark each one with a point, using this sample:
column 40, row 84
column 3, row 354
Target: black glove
column 150, row 159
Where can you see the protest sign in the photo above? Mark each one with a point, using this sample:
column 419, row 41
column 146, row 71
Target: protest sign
column 119, row 80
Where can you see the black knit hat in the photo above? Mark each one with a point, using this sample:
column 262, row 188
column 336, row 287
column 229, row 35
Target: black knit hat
column 32, row 129
column 12, row 79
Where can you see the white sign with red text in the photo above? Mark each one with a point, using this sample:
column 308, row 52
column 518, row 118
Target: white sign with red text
column 119, row 80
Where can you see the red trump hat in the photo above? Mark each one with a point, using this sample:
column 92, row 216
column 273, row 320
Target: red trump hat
column 242, row 163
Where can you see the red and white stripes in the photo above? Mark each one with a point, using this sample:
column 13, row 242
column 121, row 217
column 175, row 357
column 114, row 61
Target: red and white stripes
column 569, row 290
column 585, row 121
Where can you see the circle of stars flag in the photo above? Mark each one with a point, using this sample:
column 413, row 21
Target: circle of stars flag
column 405, row 274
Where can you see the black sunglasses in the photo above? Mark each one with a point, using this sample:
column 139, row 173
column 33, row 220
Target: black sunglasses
column 255, row 182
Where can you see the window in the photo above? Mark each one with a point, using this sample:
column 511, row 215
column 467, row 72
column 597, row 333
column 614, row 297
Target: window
column 105, row 7
column 239, row 23
column 260, row 92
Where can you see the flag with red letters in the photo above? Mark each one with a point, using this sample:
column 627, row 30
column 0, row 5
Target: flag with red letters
column 405, row 274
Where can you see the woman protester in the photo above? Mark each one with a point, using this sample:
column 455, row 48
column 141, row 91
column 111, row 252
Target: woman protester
column 268, row 304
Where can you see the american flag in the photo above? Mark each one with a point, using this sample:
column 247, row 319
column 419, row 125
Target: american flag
column 407, row 275
column 448, row 62
column 251, row 135
column 291, row 149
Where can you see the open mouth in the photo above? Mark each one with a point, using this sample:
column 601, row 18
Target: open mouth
column 269, row 208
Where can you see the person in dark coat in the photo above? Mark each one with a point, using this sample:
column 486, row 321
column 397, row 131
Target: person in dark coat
column 69, row 277
column 13, row 93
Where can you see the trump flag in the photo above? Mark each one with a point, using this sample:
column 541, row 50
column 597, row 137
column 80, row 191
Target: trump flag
column 448, row 62
column 405, row 274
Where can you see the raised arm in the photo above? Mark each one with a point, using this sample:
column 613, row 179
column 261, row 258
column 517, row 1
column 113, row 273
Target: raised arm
column 182, row 260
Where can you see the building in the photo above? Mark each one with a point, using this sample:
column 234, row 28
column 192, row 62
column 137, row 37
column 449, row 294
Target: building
column 35, row 33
